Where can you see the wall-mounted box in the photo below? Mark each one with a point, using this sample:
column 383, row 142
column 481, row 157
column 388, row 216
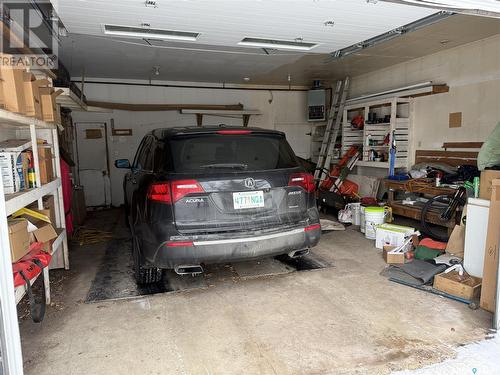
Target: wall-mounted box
column 316, row 105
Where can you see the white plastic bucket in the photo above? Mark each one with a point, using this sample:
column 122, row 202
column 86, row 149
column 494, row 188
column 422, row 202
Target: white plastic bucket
column 362, row 219
column 356, row 213
column 373, row 217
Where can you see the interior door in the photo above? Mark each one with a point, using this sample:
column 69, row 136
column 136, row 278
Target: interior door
column 93, row 162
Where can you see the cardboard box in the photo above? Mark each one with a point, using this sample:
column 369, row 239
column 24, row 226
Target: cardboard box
column 391, row 235
column 40, row 230
column 456, row 242
column 46, row 164
column 32, row 95
column 48, row 208
column 49, row 106
column 466, row 287
column 12, row 88
column 485, row 183
column 393, row 258
column 14, row 175
column 18, row 238
column 12, row 172
column 488, row 290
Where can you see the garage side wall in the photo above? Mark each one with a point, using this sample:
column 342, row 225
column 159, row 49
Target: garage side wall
column 472, row 72
column 281, row 110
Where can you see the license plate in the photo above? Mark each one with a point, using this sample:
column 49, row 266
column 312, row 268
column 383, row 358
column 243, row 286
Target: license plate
column 248, row 199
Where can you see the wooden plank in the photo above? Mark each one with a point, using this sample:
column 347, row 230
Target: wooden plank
column 462, row 145
column 449, row 154
column 163, row 107
column 436, row 89
column 450, row 161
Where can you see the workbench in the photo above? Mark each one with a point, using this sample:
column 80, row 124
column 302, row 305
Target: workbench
column 415, row 211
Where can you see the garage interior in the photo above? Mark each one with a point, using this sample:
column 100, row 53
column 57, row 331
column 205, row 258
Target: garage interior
column 392, row 106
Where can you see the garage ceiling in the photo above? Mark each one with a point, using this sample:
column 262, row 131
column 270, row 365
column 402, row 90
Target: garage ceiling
column 216, row 56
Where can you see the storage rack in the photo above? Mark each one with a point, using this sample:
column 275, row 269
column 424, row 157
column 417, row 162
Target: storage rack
column 20, row 126
column 400, row 124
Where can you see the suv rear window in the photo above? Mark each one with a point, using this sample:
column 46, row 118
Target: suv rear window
column 215, row 152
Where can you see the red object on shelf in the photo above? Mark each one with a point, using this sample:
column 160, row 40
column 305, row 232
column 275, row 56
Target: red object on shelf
column 27, row 266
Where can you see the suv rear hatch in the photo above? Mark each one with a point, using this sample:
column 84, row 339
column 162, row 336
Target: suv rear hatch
column 235, row 180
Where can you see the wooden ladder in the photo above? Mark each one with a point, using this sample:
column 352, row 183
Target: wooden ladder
column 332, row 129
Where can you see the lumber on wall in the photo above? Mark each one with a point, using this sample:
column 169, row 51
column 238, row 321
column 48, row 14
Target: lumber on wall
column 163, row 107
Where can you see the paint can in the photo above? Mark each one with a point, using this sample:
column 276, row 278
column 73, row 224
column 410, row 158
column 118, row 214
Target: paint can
column 373, row 217
column 356, row 213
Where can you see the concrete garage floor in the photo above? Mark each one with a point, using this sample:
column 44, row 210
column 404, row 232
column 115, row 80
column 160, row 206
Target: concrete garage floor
column 345, row 319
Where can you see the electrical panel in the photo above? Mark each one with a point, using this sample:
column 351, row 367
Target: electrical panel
column 316, row 103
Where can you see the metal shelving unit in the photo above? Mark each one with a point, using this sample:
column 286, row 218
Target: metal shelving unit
column 14, row 125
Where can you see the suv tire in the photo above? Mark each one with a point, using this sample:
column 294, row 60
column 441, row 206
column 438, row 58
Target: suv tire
column 143, row 275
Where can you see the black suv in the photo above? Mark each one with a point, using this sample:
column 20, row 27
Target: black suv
column 214, row 194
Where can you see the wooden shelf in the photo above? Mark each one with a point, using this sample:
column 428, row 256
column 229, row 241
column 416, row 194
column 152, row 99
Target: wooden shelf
column 16, row 201
column 380, row 164
column 70, row 100
column 12, row 119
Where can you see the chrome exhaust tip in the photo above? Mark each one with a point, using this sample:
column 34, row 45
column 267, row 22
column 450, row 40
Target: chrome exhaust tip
column 188, row 269
column 298, row 253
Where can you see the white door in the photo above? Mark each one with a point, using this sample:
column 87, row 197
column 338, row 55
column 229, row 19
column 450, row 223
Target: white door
column 93, row 162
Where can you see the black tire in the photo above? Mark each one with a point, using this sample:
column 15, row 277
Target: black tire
column 143, row 275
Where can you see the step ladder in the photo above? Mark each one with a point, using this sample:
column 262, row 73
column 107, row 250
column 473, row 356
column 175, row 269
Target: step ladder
column 333, row 125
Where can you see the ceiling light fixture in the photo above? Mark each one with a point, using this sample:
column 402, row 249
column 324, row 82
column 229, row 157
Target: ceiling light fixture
column 246, row 79
column 329, row 23
column 297, row 44
column 148, row 33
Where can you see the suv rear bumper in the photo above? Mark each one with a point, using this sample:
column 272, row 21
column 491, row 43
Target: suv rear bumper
column 170, row 254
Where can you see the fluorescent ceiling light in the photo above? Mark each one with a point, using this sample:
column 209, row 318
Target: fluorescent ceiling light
column 141, row 32
column 277, row 44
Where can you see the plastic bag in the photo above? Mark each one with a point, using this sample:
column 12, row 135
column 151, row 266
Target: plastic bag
column 489, row 154
column 345, row 215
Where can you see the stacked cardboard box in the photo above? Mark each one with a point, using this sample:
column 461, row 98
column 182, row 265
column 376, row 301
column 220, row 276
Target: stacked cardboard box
column 22, row 93
column 18, row 238
column 45, row 163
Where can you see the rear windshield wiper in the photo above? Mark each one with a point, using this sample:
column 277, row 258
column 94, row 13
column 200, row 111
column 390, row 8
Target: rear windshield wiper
column 225, row 165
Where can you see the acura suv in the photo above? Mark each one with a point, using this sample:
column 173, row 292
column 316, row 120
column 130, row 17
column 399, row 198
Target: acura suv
column 200, row 195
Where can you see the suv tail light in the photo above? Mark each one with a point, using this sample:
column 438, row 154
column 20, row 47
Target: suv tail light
column 304, row 180
column 182, row 188
column 160, row 192
column 234, row 132
column 171, row 192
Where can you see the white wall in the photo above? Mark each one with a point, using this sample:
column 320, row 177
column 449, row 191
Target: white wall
column 472, row 72
column 286, row 112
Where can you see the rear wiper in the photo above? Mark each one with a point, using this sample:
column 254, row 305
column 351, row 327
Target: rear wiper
column 225, row 165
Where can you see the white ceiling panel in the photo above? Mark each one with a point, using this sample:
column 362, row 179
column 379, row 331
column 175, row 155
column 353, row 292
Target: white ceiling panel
column 226, row 22
column 216, row 56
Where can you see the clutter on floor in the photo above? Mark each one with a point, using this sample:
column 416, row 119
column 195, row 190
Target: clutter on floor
column 87, row 236
column 460, row 267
